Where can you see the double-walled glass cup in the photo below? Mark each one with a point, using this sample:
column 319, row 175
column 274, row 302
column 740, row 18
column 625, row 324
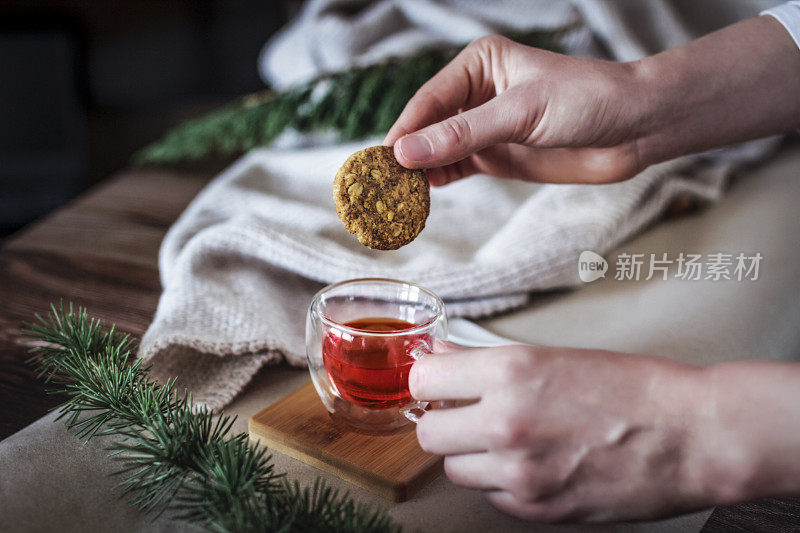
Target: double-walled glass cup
column 362, row 337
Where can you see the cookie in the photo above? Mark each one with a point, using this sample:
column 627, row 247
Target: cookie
column 381, row 202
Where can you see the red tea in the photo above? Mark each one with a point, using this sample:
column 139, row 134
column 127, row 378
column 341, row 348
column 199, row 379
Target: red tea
column 371, row 371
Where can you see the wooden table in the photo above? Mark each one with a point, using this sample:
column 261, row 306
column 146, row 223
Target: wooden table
column 101, row 251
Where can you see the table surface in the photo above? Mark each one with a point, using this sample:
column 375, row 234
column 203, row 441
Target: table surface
column 101, row 251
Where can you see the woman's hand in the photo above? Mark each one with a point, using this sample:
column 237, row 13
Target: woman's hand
column 568, row 434
column 512, row 111
column 518, row 112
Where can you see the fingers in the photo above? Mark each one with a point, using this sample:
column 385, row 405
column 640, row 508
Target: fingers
column 464, row 82
column 524, row 479
column 475, row 470
column 548, row 165
column 449, row 173
column 500, row 120
column 544, row 511
column 449, row 376
column 453, row 431
column 583, row 165
column 467, row 373
column 458, row 111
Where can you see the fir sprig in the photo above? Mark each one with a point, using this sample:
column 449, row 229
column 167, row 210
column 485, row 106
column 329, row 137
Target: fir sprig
column 174, row 456
column 354, row 104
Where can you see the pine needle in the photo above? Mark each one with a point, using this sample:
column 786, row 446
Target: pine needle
column 173, row 456
column 354, row 104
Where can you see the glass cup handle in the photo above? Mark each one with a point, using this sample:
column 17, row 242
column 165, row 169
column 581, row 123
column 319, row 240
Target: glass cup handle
column 420, row 349
column 415, row 409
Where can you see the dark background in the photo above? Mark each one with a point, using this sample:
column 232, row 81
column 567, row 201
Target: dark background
column 83, row 84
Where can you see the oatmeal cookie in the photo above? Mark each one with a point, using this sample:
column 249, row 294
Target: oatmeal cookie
column 381, row 202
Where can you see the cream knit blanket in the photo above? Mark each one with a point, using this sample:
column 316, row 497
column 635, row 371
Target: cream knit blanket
column 241, row 264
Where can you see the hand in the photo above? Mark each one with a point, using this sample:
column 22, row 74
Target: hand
column 518, row 112
column 568, row 434
column 512, row 111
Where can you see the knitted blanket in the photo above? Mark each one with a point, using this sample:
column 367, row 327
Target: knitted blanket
column 241, row 264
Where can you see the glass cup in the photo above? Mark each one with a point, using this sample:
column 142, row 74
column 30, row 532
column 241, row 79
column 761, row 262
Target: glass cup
column 362, row 336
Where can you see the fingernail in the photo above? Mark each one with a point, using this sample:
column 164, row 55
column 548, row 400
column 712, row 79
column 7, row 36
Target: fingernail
column 415, row 147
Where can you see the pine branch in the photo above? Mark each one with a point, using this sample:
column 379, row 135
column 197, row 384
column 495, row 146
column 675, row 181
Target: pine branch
column 355, row 104
column 175, row 457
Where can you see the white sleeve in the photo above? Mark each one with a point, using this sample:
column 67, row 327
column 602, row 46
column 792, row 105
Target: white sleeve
column 788, row 14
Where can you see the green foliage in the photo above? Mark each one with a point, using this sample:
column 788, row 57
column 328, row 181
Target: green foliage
column 174, row 456
column 355, row 104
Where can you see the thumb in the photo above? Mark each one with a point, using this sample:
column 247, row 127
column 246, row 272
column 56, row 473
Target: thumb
column 499, row 120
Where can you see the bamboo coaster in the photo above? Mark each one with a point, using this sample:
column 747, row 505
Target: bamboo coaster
column 298, row 425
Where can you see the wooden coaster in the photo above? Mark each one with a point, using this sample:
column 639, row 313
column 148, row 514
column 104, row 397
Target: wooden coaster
column 393, row 466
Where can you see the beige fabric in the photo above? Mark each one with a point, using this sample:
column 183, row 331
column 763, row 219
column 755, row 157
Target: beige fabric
column 48, row 482
column 240, row 265
column 699, row 322
column 331, row 35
